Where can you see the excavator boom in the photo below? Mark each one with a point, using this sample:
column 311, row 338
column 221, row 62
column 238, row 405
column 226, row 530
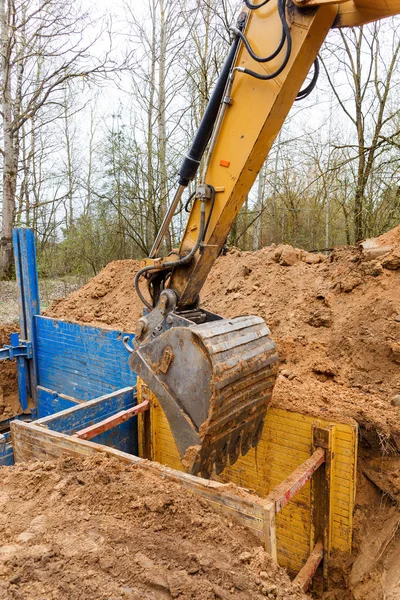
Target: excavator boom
column 214, row 377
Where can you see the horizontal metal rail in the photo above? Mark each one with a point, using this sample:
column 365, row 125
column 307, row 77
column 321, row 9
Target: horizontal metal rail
column 121, row 417
column 283, row 493
column 18, row 348
column 279, row 497
column 305, row 575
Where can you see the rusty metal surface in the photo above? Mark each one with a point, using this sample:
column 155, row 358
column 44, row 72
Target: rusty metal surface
column 214, row 382
column 304, row 577
column 283, row 493
column 111, row 422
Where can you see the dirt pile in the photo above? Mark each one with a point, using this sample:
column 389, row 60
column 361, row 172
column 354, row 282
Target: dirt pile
column 97, row 529
column 391, row 238
column 109, row 299
column 336, row 321
column 9, row 402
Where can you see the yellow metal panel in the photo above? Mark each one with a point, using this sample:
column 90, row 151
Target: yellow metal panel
column 286, row 443
column 358, row 12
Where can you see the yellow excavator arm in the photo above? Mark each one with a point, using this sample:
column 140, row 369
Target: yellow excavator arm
column 214, row 377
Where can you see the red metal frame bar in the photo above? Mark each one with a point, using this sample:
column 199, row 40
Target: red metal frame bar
column 111, row 422
column 305, row 575
column 284, row 492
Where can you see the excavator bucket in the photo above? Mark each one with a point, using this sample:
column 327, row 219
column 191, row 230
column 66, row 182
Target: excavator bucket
column 214, row 382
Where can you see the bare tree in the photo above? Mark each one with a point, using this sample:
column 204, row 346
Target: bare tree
column 369, row 59
column 44, row 45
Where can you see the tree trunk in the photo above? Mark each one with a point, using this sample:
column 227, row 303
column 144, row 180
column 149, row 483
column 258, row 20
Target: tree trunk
column 151, row 221
column 259, row 207
column 162, row 126
column 9, row 166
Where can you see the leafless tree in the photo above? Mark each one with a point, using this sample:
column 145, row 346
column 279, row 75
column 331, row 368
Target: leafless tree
column 45, row 45
column 367, row 62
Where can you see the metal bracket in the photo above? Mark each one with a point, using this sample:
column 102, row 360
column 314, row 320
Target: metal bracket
column 203, row 192
column 17, row 348
column 321, row 437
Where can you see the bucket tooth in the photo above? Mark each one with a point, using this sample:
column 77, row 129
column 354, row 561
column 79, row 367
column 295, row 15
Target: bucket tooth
column 258, row 429
column 234, row 447
column 247, row 438
column 207, row 463
column 222, row 456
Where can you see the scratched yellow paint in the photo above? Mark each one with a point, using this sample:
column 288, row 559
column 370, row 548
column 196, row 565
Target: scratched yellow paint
column 285, row 444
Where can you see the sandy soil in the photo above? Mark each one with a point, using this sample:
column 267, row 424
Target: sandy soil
column 96, row 529
column 336, row 321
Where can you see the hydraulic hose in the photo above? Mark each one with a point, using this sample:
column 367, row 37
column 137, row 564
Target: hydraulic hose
column 251, row 51
column 255, row 6
column 287, row 35
column 310, row 87
column 192, row 160
column 176, row 263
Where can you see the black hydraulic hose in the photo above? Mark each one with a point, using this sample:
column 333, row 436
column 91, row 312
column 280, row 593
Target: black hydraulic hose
column 286, row 30
column 188, row 202
column 251, row 51
column 310, row 87
column 255, row 6
column 176, row 263
column 191, row 162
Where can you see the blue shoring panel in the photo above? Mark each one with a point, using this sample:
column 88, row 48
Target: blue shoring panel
column 123, row 437
column 71, row 363
column 80, row 361
column 51, row 402
column 6, row 451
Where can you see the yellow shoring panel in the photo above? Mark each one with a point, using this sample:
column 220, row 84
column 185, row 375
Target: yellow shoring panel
column 286, row 443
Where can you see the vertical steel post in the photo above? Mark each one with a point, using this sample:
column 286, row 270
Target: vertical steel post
column 22, row 371
column 29, row 307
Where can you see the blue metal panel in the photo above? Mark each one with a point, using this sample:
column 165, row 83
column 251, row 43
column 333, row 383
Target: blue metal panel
column 123, row 437
column 6, row 451
column 71, row 362
column 50, row 402
column 80, row 361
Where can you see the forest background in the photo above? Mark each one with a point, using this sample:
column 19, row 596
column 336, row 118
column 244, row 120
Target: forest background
column 99, row 105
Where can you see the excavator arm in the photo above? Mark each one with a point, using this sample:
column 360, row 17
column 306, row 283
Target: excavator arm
column 214, row 377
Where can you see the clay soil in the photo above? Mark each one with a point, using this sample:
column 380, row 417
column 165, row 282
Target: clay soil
column 96, row 529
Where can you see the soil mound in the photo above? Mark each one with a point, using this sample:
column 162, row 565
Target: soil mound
column 9, row 402
column 391, row 237
column 108, row 300
column 336, row 321
column 97, row 529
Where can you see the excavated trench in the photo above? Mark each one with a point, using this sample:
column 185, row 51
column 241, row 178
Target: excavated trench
column 336, row 321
